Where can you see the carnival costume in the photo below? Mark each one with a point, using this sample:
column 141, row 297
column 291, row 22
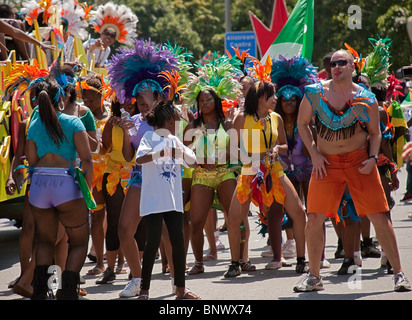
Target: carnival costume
column 290, row 77
column 119, row 18
column 217, row 75
column 261, row 183
column 33, row 8
column 75, row 15
column 332, row 125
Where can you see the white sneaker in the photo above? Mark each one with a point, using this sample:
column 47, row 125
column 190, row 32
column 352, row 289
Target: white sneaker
column 289, row 249
column 132, row 289
column 308, row 283
column 273, row 265
column 268, row 253
column 324, row 264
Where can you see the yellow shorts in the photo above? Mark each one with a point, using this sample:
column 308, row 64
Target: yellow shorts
column 212, row 178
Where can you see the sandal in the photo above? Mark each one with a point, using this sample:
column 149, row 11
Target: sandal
column 209, row 257
column 165, row 268
column 247, row 266
column 143, row 297
column 95, row 271
column 196, row 269
column 188, row 295
column 82, row 293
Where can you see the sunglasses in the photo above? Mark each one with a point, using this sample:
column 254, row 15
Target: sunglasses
column 340, row 63
column 111, row 34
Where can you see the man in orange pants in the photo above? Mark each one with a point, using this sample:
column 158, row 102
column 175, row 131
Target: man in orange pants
column 345, row 153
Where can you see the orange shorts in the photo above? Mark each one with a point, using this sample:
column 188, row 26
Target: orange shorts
column 367, row 193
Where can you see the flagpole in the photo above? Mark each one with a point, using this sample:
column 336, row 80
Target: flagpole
column 228, row 17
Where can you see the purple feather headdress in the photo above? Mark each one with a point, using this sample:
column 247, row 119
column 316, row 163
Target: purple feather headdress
column 292, row 75
column 133, row 70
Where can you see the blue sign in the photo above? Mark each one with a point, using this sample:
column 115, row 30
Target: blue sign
column 243, row 40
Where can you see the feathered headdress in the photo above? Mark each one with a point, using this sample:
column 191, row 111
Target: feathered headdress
column 117, row 17
column 22, row 75
column 357, row 60
column 178, row 80
column 218, row 75
column 242, row 57
column 260, row 71
column 74, row 15
column 32, row 9
column 377, row 62
column 134, row 70
column 292, row 75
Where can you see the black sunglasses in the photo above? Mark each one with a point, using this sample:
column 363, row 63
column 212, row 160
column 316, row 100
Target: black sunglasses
column 111, row 34
column 340, row 63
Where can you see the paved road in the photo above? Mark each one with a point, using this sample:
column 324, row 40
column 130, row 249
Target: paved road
column 373, row 284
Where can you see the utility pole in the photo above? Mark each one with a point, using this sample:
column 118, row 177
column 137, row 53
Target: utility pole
column 228, row 18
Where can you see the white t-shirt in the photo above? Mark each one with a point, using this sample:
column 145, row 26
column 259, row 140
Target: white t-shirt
column 161, row 178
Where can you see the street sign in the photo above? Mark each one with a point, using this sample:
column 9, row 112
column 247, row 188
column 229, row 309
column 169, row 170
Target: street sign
column 243, row 40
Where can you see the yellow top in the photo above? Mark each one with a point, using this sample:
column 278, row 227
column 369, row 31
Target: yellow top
column 254, row 139
column 115, row 152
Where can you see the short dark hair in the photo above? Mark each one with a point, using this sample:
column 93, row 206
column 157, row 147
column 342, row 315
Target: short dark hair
column 6, row 11
column 160, row 113
column 260, row 89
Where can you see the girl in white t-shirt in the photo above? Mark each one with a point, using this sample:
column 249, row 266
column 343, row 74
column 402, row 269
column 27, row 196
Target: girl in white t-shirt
column 161, row 155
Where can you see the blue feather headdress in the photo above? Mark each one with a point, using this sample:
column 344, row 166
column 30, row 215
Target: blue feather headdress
column 292, row 75
column 134, row 70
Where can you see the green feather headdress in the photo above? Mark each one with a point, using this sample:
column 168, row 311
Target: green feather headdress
column 219, row 75
column 377, row 62
column 183, row 61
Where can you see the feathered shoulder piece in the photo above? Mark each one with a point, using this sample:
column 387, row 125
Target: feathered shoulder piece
column 32, row 8
column 117, row 17
column 134, row 70
column 76, row 18
column 292, row 75
column 219, row 75
column 377, row 62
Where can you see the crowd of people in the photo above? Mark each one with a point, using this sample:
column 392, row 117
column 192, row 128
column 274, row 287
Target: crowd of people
column 137, row 161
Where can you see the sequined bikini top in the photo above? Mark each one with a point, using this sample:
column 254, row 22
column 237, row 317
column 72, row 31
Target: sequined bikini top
column 338, row 125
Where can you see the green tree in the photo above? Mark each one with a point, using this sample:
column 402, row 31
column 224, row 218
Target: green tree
column 379, row 18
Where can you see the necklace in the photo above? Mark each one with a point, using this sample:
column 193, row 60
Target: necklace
column 263, row 120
